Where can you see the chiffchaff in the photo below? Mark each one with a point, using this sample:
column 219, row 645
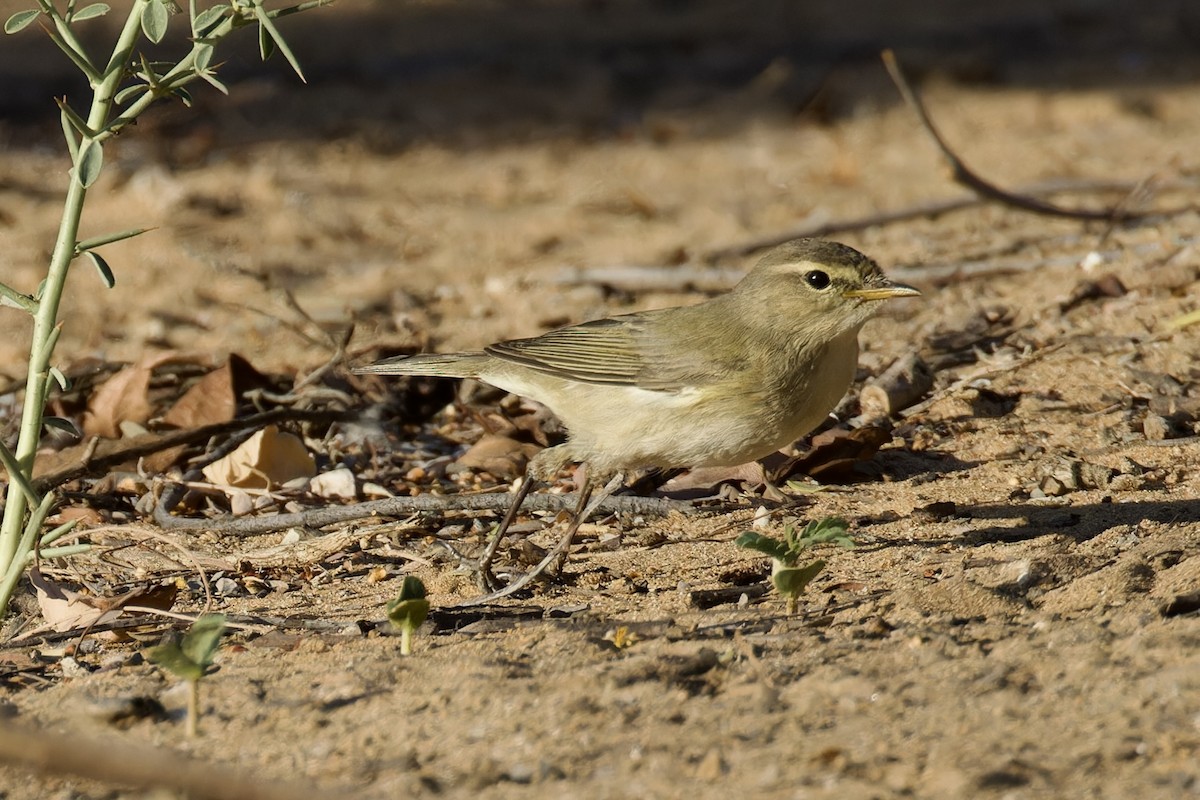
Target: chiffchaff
column 721, row 383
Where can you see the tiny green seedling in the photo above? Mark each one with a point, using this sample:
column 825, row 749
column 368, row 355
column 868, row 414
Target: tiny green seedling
column 787, row 574
column 408, row 611
column 190, row 659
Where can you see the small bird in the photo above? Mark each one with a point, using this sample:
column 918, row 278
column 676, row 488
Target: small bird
column 721, row 383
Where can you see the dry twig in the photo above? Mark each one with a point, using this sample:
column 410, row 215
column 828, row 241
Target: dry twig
column 985, row 189
column 401, row 506
column 121, row 451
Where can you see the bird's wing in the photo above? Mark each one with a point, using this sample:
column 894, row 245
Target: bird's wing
column 628, row 350
column 603, row 351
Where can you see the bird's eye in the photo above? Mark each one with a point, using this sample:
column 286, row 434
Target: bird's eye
column 817, row 279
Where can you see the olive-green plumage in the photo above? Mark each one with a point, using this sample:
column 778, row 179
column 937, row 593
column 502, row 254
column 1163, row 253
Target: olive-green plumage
column 723, row 382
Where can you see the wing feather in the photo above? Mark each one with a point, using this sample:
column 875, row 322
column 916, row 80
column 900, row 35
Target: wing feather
column 669, row 350
column 603, row 351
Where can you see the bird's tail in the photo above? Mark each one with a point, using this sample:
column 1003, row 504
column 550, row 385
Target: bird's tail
column 446, row 365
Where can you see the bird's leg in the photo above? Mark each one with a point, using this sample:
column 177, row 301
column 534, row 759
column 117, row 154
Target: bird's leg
column 487, row 581
column 583, row 512
column 584, row 508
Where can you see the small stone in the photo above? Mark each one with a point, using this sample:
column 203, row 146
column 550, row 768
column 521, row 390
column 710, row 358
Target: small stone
column 711, row 767
column 520, row 773
column 227, row 587
column 1155, row 427
column 72, row 668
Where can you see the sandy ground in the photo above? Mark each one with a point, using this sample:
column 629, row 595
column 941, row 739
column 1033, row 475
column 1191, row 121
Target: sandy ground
column 1019, row 618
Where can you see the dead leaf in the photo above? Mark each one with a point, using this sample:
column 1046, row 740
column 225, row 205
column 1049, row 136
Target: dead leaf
column 751, row 474
column 500, row 455
column 834, row 455
column 214, row 397
column 210, row 400
column 123, row 397
column 267, row 459
column 84, row 516
column 65, row 609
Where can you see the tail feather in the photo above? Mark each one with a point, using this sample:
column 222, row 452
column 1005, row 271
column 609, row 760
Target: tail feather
column 446, row 365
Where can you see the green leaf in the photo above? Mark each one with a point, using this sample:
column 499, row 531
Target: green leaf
column 412, row 589
column 208, row 19
column 154, row 20
column 410, row 608
column 266, row 45
column 74, row 119
column 87, row 12
column 790, row 581
column 190, row 658
column 202, row 639
column 21, row 20
column 62, row 382
column 109, row 238
column 106, row 273
column 264, row 20
column 184, row 95
column 129, row 91
column 91, row 160
column 766, row 545
column 170, row 656
column 408, row 614
column 212, row 79
column 62, row 424
column 829, row 529
column 204, row 53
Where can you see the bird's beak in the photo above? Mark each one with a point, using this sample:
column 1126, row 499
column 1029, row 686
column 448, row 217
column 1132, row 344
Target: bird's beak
column 882, row 292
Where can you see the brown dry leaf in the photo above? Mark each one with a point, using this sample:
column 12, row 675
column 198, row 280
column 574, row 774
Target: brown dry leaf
column 214, row 397
column 834, row 454
column 123, row 397
column 268, row 458
column 752, row 474
column 210, row 400
column 64, row 609
column 80, row 455
column 84, row 516
column 502, row 456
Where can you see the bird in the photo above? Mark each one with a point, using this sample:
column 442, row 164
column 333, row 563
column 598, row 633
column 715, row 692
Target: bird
column 720, row 383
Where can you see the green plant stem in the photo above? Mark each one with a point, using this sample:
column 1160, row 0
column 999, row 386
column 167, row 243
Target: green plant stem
column 45, row 320
column 22, row 301
column 193, row 709
column 791, row 604
column 405, row 641
column 24, row 549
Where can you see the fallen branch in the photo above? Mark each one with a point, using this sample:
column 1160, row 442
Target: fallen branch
column 110, row 452
column 402, row 506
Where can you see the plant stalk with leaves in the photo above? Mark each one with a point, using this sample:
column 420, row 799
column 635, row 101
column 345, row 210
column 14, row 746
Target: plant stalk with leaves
column 408, row 611
column 122, row 87
column 787, row 574
column 190, row 659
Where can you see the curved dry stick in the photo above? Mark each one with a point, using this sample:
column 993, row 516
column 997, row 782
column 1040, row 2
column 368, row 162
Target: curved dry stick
column 964, row 175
